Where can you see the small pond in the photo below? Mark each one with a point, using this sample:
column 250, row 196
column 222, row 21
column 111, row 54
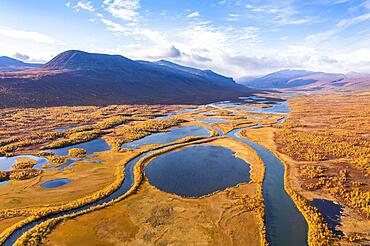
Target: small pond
column 331, row 212
column 277, row 108
column 55, row 183
column 62, row 129
column 97, row 145
column 167, row 137
column 210, row 120
column 197, row 171
column 6, row 163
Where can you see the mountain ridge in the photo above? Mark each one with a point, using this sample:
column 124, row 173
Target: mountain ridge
column 81, row 78
column 8, row 64
column 288, row 78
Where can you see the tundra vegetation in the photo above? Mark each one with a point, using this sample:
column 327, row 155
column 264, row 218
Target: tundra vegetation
column 326, row 149
column 22, row 169
column 115, row 130
column 339, row 156
column 321, row 161
column 22, row 129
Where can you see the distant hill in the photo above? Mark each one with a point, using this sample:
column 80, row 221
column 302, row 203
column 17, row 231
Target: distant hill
column 80, row 78
column 302, row 80
column 193, row 72
column 283, row 79
column 8, row 64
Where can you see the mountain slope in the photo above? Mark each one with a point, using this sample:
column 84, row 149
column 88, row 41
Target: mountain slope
column 280, row 79
column 81, row 78
column 288, row 79
column 301, row 80
column 207, row 74
column 8, row 64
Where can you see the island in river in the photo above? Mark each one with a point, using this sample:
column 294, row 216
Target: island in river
column 128, row 188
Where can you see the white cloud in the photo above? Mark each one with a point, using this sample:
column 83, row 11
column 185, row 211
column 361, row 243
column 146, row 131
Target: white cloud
column 137, row 32
column 27, row 35
column 280, row 12
column 124, row 9
column 112, row 26
column 22, row 57
column 84, row 5
column 231, row 50
column 366, row 4
column 233, row 17
column 339, row 27
column 193, row 14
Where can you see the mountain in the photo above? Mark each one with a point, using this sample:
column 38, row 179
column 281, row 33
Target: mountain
column 206, row 74
column 80, row 78
column 290, row 79
column 8, row 64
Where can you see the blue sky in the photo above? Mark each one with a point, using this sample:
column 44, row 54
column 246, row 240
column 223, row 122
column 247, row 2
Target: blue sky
column 234, row 37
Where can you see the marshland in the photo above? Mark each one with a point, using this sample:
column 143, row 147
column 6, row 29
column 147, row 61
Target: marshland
column 136, row 173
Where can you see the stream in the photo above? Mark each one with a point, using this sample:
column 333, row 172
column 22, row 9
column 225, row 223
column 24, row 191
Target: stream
column 285, row 225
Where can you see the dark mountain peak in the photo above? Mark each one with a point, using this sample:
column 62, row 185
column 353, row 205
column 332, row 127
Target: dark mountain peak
column 79, row 78
column 8, row 64
column 208, row 74
column 8, row 61
column 80, row 60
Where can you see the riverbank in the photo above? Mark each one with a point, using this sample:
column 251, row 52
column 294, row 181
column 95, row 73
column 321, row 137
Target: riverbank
column 150, row 216
column 354, row 225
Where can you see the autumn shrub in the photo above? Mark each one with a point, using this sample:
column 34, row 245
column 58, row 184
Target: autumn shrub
column 310, row 171
column 24, row 163
column 77, row 153
column 23, row 174
column 57, row 160
column 4, row 175
column 75, row 138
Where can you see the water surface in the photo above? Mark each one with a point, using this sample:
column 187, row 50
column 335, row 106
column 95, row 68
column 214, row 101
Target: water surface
column 331, row 212
column 6, row 163
column 285, row 225
column 167, row 137
column 210, row 120
column 55, row 183
column 96, row 145
column 197, row 171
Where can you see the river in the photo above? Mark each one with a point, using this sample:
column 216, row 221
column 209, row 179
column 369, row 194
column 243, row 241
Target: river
column 285, row 225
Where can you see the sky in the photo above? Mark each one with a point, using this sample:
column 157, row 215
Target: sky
column 236, row 38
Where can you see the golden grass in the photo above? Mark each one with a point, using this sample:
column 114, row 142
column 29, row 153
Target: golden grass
column 150, row 216
column 314, row 169
column 24, row 129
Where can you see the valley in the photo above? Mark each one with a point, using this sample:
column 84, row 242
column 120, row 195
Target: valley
column 135, row 196
column 172, row 123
